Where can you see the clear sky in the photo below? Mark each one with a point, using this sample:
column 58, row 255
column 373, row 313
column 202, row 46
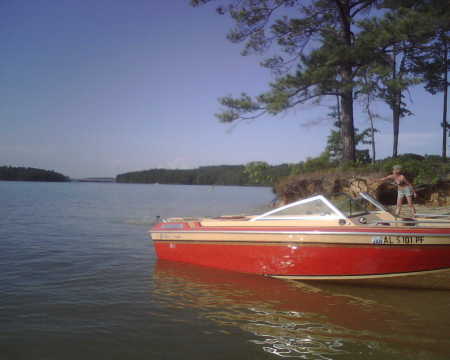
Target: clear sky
column 101, row 87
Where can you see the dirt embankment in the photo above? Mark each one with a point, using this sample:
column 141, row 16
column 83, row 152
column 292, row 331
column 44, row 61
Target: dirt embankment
column 302, row 186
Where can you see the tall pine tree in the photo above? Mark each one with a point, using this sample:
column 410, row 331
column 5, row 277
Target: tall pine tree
column 432, row 61
column 320, row 36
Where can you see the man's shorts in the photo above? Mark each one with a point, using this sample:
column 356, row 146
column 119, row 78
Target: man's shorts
column 404, row 192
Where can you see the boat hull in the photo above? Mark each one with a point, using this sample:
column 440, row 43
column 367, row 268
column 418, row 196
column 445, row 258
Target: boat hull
column 310, row 261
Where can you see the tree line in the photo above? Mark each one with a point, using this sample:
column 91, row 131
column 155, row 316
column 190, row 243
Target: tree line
column 354, row 51
column 428, row 169
column 12, row 173
column 240, row 175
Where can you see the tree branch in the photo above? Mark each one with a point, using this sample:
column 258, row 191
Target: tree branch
column 365, row 6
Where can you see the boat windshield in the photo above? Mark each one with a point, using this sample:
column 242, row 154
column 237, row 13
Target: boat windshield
column 318, row 207
column 349, row 206
column 374, row 202
column 315, row 208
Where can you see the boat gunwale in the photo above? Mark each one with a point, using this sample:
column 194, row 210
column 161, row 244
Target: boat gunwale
column 384, row 232
column 291, row 243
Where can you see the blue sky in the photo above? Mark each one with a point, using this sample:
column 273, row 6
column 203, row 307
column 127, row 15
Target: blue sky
column 97, row 88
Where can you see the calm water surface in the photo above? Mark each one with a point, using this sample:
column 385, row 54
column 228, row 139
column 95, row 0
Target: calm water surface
column 79, row 280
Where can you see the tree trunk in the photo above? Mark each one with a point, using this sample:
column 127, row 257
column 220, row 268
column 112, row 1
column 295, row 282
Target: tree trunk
column 444, row 124
column 396, row 122
column 396, row 103
column 444, row 112
column 339, row 123
column 372, row 132
column 370, row 115
column 347, row 128
column 338, row 112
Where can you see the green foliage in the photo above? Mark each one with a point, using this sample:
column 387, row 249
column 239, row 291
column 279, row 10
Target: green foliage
column 236, row 108
column 208, row 175
column 311, row 164
column 395, row 37
column 428, row 169
column 318, row 163
column 420, row 169
column 432, row 61
column 10, row 173
column 335, row 147
column 255, row 173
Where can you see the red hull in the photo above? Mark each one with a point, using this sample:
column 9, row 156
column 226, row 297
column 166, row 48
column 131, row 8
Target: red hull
column 309, row 260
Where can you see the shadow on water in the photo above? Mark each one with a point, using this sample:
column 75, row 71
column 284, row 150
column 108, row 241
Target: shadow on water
column 311, row 321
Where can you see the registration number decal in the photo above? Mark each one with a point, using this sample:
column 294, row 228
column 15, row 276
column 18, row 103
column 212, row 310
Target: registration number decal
column 398, row 240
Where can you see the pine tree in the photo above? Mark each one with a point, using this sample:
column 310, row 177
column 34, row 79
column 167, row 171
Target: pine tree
column 432, row 62
column 395, row 38
column 320, row 37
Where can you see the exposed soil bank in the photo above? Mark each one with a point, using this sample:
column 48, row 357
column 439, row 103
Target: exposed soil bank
column 302, row 186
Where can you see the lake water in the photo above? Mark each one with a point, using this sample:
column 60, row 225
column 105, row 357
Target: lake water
column 79, row 280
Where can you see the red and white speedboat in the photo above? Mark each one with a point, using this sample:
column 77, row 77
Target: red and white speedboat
column 314, row 238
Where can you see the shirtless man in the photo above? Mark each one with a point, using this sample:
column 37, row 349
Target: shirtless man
column 405, row 189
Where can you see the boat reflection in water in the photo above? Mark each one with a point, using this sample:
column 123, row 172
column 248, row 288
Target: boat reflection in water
column 313, row 321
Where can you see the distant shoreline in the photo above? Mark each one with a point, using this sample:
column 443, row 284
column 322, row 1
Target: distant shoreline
column 233, row 175
column 96, row 179
column 115, row 182
column 14, row 173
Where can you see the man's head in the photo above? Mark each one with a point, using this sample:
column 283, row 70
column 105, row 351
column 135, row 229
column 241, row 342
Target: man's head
column 397, row 169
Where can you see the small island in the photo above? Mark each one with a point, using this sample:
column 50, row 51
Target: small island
column 13, row 173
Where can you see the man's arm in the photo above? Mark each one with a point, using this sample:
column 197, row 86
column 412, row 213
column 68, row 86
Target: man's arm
column 386, row 178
